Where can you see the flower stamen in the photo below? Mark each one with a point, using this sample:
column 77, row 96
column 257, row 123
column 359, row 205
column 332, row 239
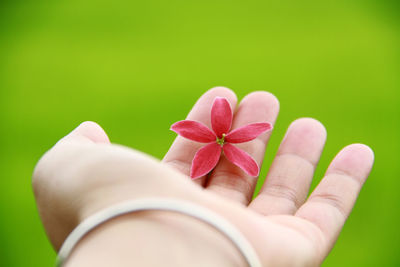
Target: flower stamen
column 221, row 141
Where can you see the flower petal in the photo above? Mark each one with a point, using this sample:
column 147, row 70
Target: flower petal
column 221, row 116
column 205, row 160
column 241, row 159
column 194, row 130
column 248, row 132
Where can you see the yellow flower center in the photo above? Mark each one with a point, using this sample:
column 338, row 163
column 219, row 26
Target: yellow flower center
column 221, row 140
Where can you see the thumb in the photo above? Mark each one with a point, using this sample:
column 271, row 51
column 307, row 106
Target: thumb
column 88, row 131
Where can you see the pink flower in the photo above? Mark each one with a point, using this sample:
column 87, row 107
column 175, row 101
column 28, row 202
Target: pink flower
column 220, row 140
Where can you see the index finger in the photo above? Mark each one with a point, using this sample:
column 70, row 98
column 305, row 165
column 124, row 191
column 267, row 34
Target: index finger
column 182, row 151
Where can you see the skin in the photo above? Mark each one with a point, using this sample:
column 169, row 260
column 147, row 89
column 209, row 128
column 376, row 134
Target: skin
column 84, row 173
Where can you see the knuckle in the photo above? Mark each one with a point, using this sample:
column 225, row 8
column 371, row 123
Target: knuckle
column 332, row 200
column 285, row 192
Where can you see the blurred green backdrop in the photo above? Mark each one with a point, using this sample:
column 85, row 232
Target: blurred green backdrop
column 135, row 67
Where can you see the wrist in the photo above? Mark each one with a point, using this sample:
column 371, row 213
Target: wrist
column 155, row 238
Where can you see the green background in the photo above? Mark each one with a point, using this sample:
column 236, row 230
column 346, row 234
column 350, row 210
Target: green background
column 135, row 67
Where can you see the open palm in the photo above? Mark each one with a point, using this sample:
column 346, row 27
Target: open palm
column 84, row 173
column 284, row 228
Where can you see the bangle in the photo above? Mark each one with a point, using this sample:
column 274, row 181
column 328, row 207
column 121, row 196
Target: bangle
column 199, row 212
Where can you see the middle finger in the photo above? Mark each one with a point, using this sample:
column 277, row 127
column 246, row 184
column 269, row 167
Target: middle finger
column 229, row 180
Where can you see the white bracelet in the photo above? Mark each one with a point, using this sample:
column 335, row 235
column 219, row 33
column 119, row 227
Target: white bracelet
column 187, row 208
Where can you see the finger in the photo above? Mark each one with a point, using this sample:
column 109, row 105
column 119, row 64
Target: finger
column 182, row 151
column 88, row 131
column 333, row 199
column 229, row 180
column 288, row 181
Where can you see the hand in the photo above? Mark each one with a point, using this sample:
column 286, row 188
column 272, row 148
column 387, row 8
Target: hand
column 84, row 173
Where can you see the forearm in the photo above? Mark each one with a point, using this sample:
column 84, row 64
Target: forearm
column 155, row 238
